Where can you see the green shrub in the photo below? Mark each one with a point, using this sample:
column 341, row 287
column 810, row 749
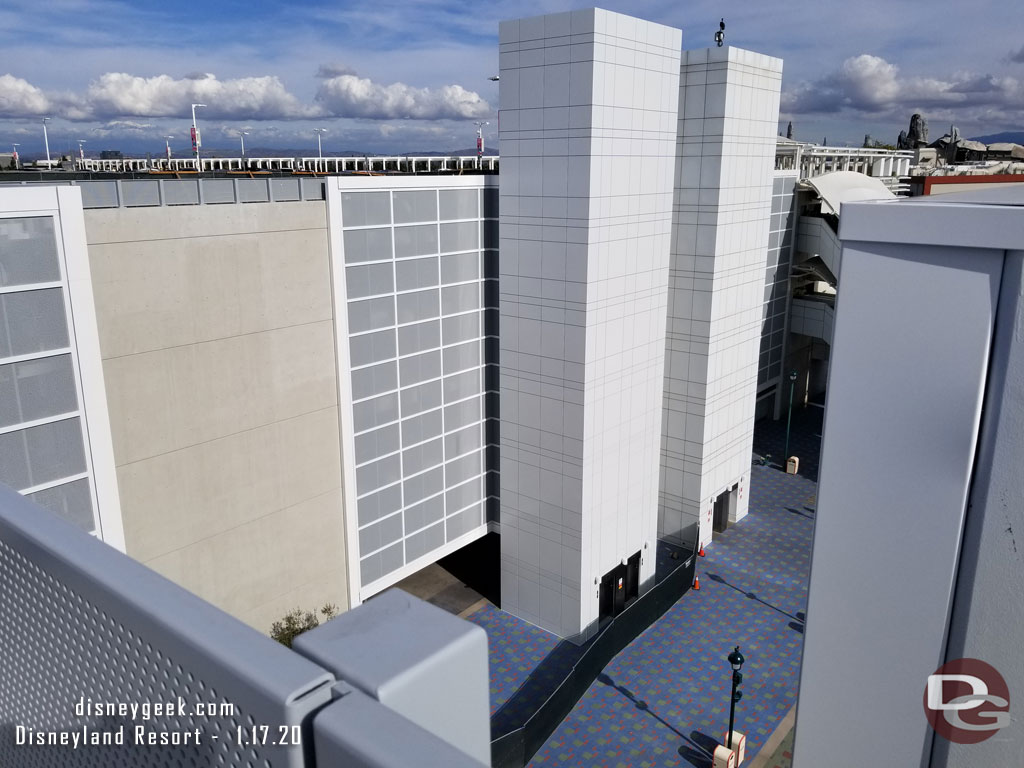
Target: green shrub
column 296, row 622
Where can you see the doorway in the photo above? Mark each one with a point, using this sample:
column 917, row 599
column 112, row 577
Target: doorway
column 619, row 588
column 724, row 508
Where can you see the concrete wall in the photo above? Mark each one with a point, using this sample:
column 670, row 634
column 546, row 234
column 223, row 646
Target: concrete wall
column 729, row 105
column 216, row 333
column 588, row 111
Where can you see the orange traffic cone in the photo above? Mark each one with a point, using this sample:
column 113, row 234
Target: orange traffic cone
column 696, row 584
column 701, row 553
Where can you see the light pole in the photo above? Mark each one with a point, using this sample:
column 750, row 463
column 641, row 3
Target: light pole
column 81, row 152
column 736, row 662
column 14, row 157
column 242, row 136
column 197, row 141
column 46, row 141
column 167, row 144
column 480, row 137
column 789, row 415
column 319, row 146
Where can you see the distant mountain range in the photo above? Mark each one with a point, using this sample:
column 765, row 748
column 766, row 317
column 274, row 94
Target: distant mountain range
column 1011, row 137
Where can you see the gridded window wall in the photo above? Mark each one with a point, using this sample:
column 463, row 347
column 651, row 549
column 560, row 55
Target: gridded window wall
column 776, row 281
column 420, row 274
column 42, row 444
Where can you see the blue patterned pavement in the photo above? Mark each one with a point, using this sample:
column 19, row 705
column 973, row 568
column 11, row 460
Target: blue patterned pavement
column 664, row 701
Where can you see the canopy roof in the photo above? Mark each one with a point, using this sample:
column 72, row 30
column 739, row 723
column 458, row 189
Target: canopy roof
column 845, row 187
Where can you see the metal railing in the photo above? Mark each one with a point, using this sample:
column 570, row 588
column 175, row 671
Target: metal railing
column 105, row 662
column 300, row 165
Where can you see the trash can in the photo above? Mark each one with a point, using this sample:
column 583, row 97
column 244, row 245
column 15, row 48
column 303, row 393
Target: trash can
column 792, row 465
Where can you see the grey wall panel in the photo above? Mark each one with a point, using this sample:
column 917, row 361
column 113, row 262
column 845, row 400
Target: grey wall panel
column 990, row 581
column 99, row 194
column 181, row 191
column 284, row 189
column 901, row 423
column 218, row 191
column 253, row 190
column 138, row 193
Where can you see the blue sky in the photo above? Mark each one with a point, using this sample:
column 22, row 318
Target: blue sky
column 411, row 75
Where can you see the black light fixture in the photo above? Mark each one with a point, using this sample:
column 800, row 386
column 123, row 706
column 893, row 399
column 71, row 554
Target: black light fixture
column 736, row 662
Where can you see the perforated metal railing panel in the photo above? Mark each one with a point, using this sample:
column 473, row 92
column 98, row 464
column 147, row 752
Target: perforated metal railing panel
column 82, row 626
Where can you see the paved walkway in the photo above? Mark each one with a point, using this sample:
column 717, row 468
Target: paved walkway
column 664, row 700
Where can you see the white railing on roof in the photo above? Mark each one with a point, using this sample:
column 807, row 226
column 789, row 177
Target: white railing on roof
column 312, row 165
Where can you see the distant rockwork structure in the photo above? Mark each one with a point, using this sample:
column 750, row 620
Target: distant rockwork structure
column 917, row 135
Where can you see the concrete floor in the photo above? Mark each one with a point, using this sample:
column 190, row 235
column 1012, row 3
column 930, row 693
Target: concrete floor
column 435, row 585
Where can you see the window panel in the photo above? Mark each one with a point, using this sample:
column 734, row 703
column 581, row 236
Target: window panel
column 372, row 347
column 374, row 413
column 460, row 236
column 421, row 457
column 461, row 328
column 28, row 251
column 420, row 367
column 463, row 441
column 462, row 357
column 416, row 273
column 369, row 477
column 359, row 209
column 423, row 514
column 380, row 442
column 461, row 385
column 415, row 206
column 422, row 427
column 42, row 454
column 420, row 305
column 421, row 398
column 32, row 321
column 421, row 486
column 458, row 204
column 370, row 314
column 375, row 380
column 462, row 414
column 423, row 542
column 416, row 241
column 460, row 298
column 367, row 245
column 71, row 501
column 369, row 280
column 380, row 534
column 459, row 267
column 377, row 505
column 35, row 389
column 420, row 337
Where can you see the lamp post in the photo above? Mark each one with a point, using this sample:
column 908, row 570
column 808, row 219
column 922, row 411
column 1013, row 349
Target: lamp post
column 167, row 144
column 46, row 141
column 789, row 415
column 242, row 136
column 480, row 137
column 736, row 662
column 319, row 146
column 14, row 157
column 197, row 141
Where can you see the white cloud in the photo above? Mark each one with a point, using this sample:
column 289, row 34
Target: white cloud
column 353, row 96
column 19, row 98
column 873, row 86
column 121, row 94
